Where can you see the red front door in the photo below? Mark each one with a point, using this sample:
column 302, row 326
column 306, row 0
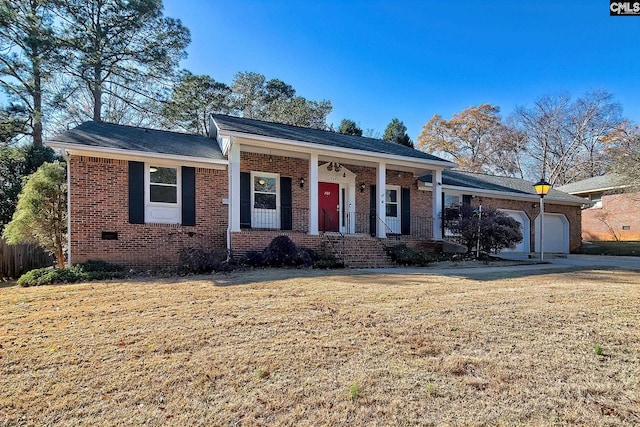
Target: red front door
column 328, row 206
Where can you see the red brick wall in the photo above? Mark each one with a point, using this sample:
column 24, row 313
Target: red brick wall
column 606, row 223
column 257, row 240
column 99, row 202
column 297, row 168
column 421, row 203
column 532, row 209
column 287, row 167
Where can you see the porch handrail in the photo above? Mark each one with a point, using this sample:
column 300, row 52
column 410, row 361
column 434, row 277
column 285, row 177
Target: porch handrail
column 388, row 229
column 283, row 218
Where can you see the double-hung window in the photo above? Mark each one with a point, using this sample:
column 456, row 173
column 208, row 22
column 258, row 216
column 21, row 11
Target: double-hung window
column 452, row 204
column 163, row 195
column 392, row 209
column 163, row 184
column 265, row 200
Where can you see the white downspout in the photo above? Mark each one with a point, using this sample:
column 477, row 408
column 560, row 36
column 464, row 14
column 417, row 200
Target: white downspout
column 234, row 190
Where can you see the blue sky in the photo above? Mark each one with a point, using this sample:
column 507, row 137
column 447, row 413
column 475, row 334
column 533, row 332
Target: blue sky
column 376, row 60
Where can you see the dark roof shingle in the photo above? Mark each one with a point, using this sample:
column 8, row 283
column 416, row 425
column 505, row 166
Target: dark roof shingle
column 604, row 182
column 317, row 136
column 109, row 135
column 477, row 181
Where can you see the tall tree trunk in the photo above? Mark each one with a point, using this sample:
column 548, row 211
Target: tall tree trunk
column 97, row 93
column 59, row 254
column 37, row 106
column 36, row 114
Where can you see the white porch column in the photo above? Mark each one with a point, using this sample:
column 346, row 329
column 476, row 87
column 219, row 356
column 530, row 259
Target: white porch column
column 381, row 191
column 313, row 194
column 436, row 191
column 234, row 187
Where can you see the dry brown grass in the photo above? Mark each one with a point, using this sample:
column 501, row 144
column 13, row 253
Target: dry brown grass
column 266, row 348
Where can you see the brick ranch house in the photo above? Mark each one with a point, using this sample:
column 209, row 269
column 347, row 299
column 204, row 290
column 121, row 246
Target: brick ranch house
column 138, row 196
column 611, row 212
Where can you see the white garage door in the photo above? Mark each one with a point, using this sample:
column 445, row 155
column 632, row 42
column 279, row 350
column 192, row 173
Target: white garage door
column 556, row 233
column 523, row 219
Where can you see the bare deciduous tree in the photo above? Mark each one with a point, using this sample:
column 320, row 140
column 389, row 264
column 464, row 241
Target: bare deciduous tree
column 566, row 140
column 625, row 152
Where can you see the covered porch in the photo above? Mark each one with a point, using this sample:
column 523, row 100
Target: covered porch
column 274, row 189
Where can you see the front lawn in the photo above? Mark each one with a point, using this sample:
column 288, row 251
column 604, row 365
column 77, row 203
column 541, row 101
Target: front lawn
column 278, row 347
column 610, row 248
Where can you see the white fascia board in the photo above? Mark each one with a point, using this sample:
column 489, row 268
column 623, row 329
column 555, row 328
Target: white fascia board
column 224, row 142
column 113, row 153
column 500, row 194
column 345, row 152
column 598, row 190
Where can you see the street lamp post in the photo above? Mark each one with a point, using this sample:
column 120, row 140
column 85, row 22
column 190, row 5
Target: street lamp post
column 542, row 188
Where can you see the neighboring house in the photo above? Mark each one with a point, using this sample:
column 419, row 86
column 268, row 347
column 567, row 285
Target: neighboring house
column 611, row 213
column 138, row 196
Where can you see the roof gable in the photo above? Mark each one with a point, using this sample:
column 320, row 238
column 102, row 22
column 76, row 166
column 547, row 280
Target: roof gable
column 317, row 136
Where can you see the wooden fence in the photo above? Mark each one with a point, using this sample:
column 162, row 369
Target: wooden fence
column 17, row 260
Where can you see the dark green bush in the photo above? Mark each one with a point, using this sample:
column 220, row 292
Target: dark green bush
column 497, row 230
column 100, row 266
column 281, row 252
column 306, row 257
column 253, row 259
column 197, row 260
column 47, row 276
column 408, row 255
column 91, row 270
column 327, row 260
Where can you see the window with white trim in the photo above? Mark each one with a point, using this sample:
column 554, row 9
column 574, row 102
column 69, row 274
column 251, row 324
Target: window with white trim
column 452, row 204
column 391, row 202
column 163, row 194
column 392, row 209
column 596, row 200
column 265, row 200
column 163, row 184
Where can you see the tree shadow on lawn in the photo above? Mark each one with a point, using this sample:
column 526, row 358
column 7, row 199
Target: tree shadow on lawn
column 400, row 276
column 7, row 283
column 588, row 273
column 244, row 277
column 393, row 276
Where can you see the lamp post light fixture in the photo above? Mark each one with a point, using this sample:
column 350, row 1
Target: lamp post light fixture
column 542, row 188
